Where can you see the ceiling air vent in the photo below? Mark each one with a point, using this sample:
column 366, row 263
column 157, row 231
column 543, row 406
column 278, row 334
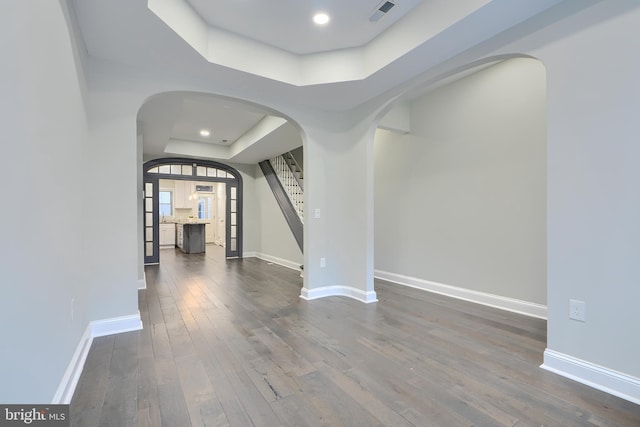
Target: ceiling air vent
column 381, row 10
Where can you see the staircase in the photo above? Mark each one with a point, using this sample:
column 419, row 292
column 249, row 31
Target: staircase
column 291, row 177
column 285, row 177
column 296, row 169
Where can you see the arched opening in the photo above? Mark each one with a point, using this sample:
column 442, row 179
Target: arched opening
column 191, row 170
column 242, row 135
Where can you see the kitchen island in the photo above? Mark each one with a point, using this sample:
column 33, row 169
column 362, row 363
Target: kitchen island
column 190, row 237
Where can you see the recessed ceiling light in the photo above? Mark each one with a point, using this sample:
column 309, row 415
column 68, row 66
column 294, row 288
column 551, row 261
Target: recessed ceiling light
column 205, row 133
column 321, row 18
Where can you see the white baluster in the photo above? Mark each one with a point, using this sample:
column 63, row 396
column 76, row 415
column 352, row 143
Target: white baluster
column 289, row 182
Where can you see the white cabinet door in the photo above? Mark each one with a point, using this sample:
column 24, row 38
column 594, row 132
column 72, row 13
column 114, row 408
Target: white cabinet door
column 209, row 231
column 179, row 195
column 167, row 235
column 182, row 192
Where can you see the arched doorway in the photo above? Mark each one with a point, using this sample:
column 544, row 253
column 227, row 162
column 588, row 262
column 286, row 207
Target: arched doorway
column 183, row 169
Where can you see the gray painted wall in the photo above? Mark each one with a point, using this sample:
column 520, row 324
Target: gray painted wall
column 594, row 203
column 461, row 200
column 339, row 183
column 276, row 238
column 43, row 247
column 251, row 208
column 110, row 225
column 298, row 154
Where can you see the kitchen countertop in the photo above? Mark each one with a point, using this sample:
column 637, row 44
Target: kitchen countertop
column 186, row 222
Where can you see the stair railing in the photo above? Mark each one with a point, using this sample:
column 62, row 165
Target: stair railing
column 290, row 182
column 296, row 169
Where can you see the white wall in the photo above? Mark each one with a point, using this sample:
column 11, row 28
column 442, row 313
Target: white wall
column 461, row 200
column 43, row 247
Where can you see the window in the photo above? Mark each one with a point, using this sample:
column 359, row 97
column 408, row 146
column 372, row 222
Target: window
column 165, row 197
column 205, row 207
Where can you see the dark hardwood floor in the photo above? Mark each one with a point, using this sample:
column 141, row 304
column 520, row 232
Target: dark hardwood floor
column 230, row 343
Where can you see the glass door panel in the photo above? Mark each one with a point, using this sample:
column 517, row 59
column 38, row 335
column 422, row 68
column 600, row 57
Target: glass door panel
column 233, row 249
column 151, row 229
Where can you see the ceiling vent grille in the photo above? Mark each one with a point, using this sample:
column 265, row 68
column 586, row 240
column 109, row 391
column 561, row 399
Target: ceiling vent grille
column 381, row 10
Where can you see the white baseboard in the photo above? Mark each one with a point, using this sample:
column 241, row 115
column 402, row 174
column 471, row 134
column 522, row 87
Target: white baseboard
column 596, row 376
column 116, row 325
column 269, row 258
column 142, row 283
column 491, row 300
column 69, row 381
column 344, row 291
column 97, row 328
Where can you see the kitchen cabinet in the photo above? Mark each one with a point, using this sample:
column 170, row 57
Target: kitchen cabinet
column 168, row 235
column 183, row 190
column 190, row 237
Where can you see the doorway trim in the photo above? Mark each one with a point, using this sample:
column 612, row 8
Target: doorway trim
column 186, row 169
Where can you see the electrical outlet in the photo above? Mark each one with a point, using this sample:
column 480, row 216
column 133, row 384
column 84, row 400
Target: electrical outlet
column 323, row 262
column 316, row 213
column 577, row 310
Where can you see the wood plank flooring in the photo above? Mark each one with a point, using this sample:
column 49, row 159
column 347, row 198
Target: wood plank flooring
column 230, row 343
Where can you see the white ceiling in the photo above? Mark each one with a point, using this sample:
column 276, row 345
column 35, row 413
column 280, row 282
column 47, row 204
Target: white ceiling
column 427, row 20
column 171, row 125
column 181, row 116
column 263, row 50
column 225, row 121
column 256, row 19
